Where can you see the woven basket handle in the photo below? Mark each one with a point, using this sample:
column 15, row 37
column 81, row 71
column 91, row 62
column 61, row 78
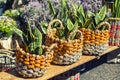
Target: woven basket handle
column 76, row 31
column 103, row 23
column 54, row 21
column 50, row 47
column 17, row 44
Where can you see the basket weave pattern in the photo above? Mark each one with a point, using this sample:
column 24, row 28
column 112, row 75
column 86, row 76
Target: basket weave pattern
column 66, row 52
column 114, row 32
column 31, row 65
column 95, row 42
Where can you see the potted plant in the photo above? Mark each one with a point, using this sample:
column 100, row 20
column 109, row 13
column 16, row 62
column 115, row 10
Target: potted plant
column 6, row 30
column 65, row 34
column 95, row 30
column 7, row 58
column 32, row 59
column 2, row 6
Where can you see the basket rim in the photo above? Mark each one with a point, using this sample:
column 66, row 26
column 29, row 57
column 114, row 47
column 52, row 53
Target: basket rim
column 49, row 31
column 112, row 18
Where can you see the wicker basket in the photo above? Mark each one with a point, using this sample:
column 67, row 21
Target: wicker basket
column 7, row 59
column 114, row 32
column 95, row 42
column 66, row 52
column 32, row 65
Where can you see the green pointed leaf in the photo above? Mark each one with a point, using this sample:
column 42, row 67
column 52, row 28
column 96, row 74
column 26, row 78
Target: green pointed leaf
column 102, row 13
column 80, row 17
column 76, row 25
column 73, row 36
column 33, row 46
column 70, row 25
column 75, row 28
column 52, row 10
column 97, row 19
column 21, row 35
column 61, row 34
column 64, row 7
column 90, row 14
column 81, row 10
column 44, row 27
column 39, row 51
column 91, row 26
column 74, row 8
column 87, row 23
column 56, row 15
column 38, row 36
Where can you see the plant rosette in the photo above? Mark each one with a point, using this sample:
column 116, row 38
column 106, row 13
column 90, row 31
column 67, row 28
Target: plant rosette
column 33, row 65
column 32, row 58
column 7, row 26
column 96, row 42
column 95, row 29
column 67, row 51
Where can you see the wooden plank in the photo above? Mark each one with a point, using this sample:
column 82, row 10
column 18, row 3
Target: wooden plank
column 54, row 70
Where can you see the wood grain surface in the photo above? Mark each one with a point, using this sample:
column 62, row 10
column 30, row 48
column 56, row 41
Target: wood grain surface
column 54, row 70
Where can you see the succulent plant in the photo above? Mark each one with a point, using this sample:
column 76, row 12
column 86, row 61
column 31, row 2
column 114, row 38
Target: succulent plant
column 32, row 39
column 89, row 19
column 63, row 13
column 7, row 26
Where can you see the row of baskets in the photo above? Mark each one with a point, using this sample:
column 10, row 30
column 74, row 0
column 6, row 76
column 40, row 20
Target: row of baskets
column 61, row 52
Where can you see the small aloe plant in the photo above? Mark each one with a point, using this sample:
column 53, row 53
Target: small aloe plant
column 63, row 14
column 89, row 19
column 32, row 40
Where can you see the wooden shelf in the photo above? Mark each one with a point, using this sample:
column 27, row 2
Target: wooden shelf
column 54, row 70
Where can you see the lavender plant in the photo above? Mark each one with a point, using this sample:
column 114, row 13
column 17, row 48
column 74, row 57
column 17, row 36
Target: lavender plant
column 38, row 11
column 92, row 5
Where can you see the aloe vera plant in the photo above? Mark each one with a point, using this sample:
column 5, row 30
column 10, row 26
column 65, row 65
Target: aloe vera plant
column 32, row 40
column 63, row 13
column 89, row 19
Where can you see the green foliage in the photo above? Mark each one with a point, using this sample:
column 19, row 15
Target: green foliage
column 44, row 27
column 35, row 45
column 52, row 10
column 89, row 14
column 89, row 19
column 102, row 13
column 65, row 16
column 7, row 26
column 116, row 9
column 70, row 25
column 32, row 40
column 97, row 18
column 12, row 13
